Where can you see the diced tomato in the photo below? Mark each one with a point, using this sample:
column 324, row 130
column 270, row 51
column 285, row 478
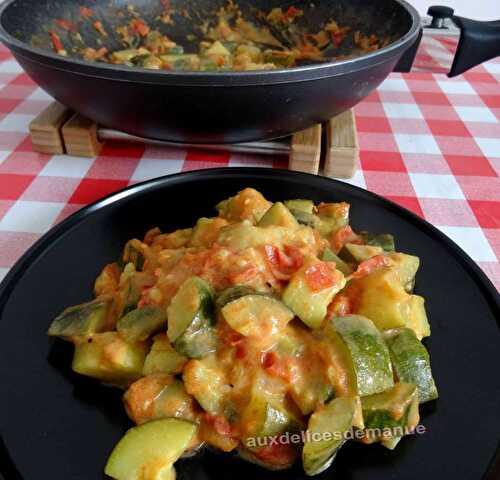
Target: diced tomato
column 241, row 350
column 293, row 12
column 283, row 264
column 86, row 12
column 244, row 275
column 56, row 42
column 66, row 24
column 138, row 26
column 342, row 236
column 219, row 424
column 340, row 307
column 277, row 366
column 370, row 265
column 280, row 454
column 320, row 276
column 337, row 38
column 100, row 28
column 220, row 61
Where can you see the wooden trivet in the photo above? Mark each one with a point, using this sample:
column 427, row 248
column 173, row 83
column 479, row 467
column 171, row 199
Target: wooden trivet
column 58, row 130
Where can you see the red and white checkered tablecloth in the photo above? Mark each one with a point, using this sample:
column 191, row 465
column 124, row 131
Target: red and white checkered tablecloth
column 429, row 143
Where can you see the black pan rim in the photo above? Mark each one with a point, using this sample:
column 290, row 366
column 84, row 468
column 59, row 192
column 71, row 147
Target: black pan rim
column 258, row 77
column 486, row 287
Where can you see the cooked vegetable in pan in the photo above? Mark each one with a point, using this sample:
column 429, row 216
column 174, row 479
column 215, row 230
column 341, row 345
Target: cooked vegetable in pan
column 230, row 40
column 272, row 330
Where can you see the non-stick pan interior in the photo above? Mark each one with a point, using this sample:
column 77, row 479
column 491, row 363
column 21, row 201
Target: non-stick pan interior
column 31, row 20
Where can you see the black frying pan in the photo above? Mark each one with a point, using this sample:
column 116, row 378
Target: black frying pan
column 208, row 107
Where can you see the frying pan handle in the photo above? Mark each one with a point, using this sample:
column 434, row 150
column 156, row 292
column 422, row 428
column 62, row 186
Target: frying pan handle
column 479, row 42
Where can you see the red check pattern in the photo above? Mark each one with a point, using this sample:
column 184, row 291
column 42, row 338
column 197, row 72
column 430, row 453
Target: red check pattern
column 429, row 143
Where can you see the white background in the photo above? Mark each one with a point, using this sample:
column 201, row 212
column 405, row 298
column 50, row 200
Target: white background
column 479, row 9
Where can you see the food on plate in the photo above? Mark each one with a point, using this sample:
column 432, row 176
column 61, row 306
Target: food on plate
column 228, row 40
column 272, row 330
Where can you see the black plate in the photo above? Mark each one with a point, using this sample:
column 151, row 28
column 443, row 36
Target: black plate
column 59, row 426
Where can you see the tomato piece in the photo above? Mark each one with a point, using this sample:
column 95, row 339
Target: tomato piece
column 280, row 454
column 86, row 12
column 337, row 38
column 283, row 264
column 138, row 26
column 66, row 24
column 241, row 350
column 244, row 275
column 100, row 28
column 370, row 265
column 293, row 12
column 277, row 366
column 219, row 423
column 319, row 276
column 56, row 42
column 342, row 236
column 340, row 307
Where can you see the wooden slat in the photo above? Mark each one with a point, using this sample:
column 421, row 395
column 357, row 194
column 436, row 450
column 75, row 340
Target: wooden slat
column 80, row 137
column 342, row 149
column 305, row 150
column 45, row 129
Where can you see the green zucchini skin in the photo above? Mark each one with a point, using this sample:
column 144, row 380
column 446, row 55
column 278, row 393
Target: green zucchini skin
column 394, row 408
column 336, row 419
column 329, row 256
column 369, row 355
column 411, row 362
column 163, row 358
column 383, row 240
column 278, row 215
column 191, row 319
column 233, row 293
column 141, row 323
column 354, row 253
column 81, row 320
column 300, row 205
column 132, row 255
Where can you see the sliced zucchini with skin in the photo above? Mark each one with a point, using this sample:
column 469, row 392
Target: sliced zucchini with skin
column 411, row 362
column 82, row 320
column 359, row 253
column 406, row 267
column 306, row 206
column 150, row 450
column 311, row 306
column 158, row 396
column 383, row 240
column 110, row 358
column 163, row 358
column 206, row 231
column 326, row 433
column 388, row 414
column 206, row 382
column 248, row 204
column 256, row 315
column 278, row 215
column 329, row 256
column 131, row 254
column 233, row 293
column 362, row 345
column 191, row 319
column 332, row 216
column 141, row 323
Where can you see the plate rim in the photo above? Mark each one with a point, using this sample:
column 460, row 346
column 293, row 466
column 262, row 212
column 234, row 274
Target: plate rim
column 9, row 283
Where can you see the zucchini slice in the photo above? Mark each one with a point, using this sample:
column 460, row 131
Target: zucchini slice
column 363, row 347
column 411, row 362
column 251, row 457
column 310, row 306
column 332, row 216
column 300, row 205
column 82, row 320
column 206, row 231
column 329, row 256
column 387, row 414
column 233, row 293
column 191, row 319
column 383, row 240
column 149, row 450
column 249, row 204
column 163, row 358
column 108, row 357
column 278, row 215
column 406, row 267
column 359, row 253
column 139, row 324
column 326, row 433
column 206, row 382
column 256, row 315
column 158, row 396
column 133, row 255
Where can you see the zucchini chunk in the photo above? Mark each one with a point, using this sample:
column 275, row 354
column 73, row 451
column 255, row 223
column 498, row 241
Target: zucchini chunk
column 387, row 414
column 300, row 205
column 206, row 231
column 140, row 323
column 329, row 256
column 310, row 306
column 332, row 216
column 326, row 433
column 406, row 267
column 360, row 344
column 359, row 253
column 278, row 215
column 233, row 293
column 256, row 315
column 132, row 255
column 206, row 382
column 191, row 319
column 249, row 204
column 108, row 357
column 417, row 317
column 82, row 320
column 411, row 362
column 149, row 450
column 158, row 396
column 383, row 240
column 163, row 358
